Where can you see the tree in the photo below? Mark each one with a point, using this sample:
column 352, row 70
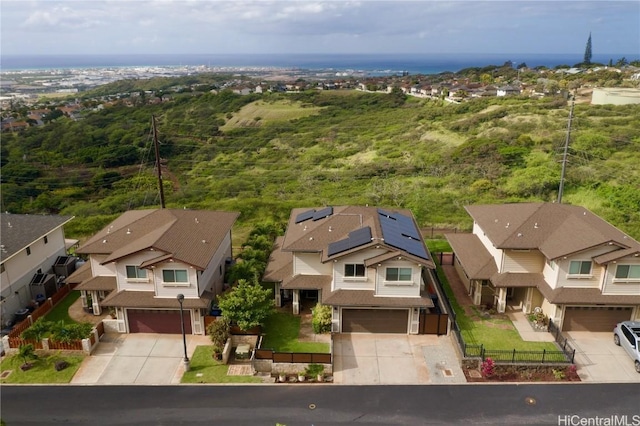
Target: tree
column 587, row 52
column 27, row 353
column 219, row 332
column 248, row 304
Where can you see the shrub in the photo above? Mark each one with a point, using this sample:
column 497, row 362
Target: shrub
column 218, row 331
column 313, row 370
column 321, row 318
column 488, row 368
column 60, row 365
column 558, row 374
column 248, row 304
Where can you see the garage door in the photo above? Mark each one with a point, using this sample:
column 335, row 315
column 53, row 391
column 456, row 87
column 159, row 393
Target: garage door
column 157, row 321
column 374, row 320
column 593, row 318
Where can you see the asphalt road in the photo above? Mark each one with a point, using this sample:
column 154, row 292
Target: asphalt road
column 531, row 404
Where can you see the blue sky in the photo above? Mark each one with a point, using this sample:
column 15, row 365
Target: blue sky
column 305, row 26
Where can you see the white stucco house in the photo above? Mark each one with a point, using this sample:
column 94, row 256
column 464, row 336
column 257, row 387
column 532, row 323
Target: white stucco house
column 580, row 270
column 144, row 259
column 30, row 245
column 370, row 265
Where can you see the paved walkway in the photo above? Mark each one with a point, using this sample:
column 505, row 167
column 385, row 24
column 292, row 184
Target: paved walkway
column 77, row 313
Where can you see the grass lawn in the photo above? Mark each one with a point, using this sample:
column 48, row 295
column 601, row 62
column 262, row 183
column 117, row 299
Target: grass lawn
column 60, row 312
column 43, row 370
column 211, row 371
column 281, row 334
column 496, row 334
column 438, row 246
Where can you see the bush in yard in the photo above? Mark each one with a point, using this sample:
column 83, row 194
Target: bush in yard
column 247, row 304
column 60, row 365
column 487, row 368
column 218, row 331
column 27, row 353
column 321, row 318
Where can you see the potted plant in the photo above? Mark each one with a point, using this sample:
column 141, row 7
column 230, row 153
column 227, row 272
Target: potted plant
column 301, row 376
column 315, row 370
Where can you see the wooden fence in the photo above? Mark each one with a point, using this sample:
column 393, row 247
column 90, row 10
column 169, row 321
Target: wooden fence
column 293, row 357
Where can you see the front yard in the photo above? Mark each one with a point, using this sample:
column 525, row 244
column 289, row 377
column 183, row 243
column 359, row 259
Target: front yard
column 281, row 333
column 43, row 370
column 205, row 369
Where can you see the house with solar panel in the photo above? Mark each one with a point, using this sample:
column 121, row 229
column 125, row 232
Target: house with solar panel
column 369, row 264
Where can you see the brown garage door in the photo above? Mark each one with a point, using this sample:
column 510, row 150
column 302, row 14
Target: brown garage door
column 157, row 321
column 374, row 320
column 593, row 318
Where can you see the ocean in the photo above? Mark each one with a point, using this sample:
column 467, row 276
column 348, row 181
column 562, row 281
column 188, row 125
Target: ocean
column 370, row 63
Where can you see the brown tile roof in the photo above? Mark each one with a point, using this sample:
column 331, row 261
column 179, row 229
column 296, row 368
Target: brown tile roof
column 585, row 296
column 555, row 229
column 308, row 282
column 189, row 236
column 147, row 299
column 80, row 274
column 280, row 264
column 473, row 256
column 314, row 236
column 98, row 283
column 368, row 298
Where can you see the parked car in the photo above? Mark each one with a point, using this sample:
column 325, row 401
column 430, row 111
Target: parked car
column 627, row 335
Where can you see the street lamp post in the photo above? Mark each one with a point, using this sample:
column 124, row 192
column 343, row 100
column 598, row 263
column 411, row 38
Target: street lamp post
column 184, row 337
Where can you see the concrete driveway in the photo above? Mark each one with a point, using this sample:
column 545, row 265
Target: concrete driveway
column 599, row 359
column 141, row 359
column 394, row 359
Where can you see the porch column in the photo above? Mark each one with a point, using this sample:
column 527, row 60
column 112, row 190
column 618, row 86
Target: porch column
column 296, row 302
column 277, row 294
column 502, row 299
column 477, row 294
column 526, row 305
column 95, row 303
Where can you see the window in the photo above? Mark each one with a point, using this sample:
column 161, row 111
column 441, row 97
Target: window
column 551, row 263
column 175, row 276
column 354, row 270
column 625, row 272
column 398, row 274
column 580, row 267
column 46, row 240
column 28, row 251
column 135, row 273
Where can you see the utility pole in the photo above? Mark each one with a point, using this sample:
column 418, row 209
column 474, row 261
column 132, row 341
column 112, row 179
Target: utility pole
column 566, row 150
column 157, row 148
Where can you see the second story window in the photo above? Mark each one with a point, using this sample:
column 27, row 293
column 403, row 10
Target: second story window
column 628, row 272
column 354, row 270
column 135, row 273
column 175, row 276
column 398, row 274
column 580, row 267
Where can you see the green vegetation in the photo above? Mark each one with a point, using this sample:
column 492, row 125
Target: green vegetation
column 493, row 333
column 59, row 331
column 265, row 154
column 248, row 304
column 42, row 371
column 204, row 369
column 281, row 335
column 60, row 312
column 321, row 318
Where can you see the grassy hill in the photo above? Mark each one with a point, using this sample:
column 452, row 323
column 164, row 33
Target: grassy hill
column 264, row 154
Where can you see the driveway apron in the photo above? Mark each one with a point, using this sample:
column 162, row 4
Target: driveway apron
column 141, row 359
column 599, row 359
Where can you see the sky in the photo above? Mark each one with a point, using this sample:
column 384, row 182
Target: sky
column 307, row 26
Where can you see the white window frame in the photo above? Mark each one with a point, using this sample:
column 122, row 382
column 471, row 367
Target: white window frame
column 137, row 278
column 175, row 283
column 399, row 275
column 355, row 276
column 581, row 275
column 626, row 279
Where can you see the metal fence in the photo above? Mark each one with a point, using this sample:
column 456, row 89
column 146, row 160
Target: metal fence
column 565, row 354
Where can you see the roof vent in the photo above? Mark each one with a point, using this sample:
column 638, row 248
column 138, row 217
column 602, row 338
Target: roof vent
column 310, row 238
column 128, row 231
column 535, row 225
column 9, row 224
column 330, row 229
column 104, row 241
column 197, row 221
column 519, row 234
column 507, row 225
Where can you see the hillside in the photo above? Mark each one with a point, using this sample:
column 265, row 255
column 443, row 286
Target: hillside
column 264, row 154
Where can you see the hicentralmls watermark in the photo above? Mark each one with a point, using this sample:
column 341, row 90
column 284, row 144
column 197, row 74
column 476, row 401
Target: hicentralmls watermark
column 613, row 420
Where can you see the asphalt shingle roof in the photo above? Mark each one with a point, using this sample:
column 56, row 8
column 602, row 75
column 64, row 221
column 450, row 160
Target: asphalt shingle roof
column 18, row 231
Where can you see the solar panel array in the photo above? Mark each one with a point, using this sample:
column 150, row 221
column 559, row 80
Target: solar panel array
column 315, row 215
column 400, row 232
column 355, row 239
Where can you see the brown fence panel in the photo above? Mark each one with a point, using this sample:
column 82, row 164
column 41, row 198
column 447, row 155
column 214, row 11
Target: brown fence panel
column 100, row 328
column 19, row 328
column 264, row 354
column 74, row 345
column 282, row 357
column 60, row 294
column 433, row 324
column 16, row 342
column 321, row 358
column 302, row 357
column 207, row 321
column 92, row 339
column 42, row 310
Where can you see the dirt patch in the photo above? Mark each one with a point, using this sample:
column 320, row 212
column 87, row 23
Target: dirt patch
column 507, row 374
